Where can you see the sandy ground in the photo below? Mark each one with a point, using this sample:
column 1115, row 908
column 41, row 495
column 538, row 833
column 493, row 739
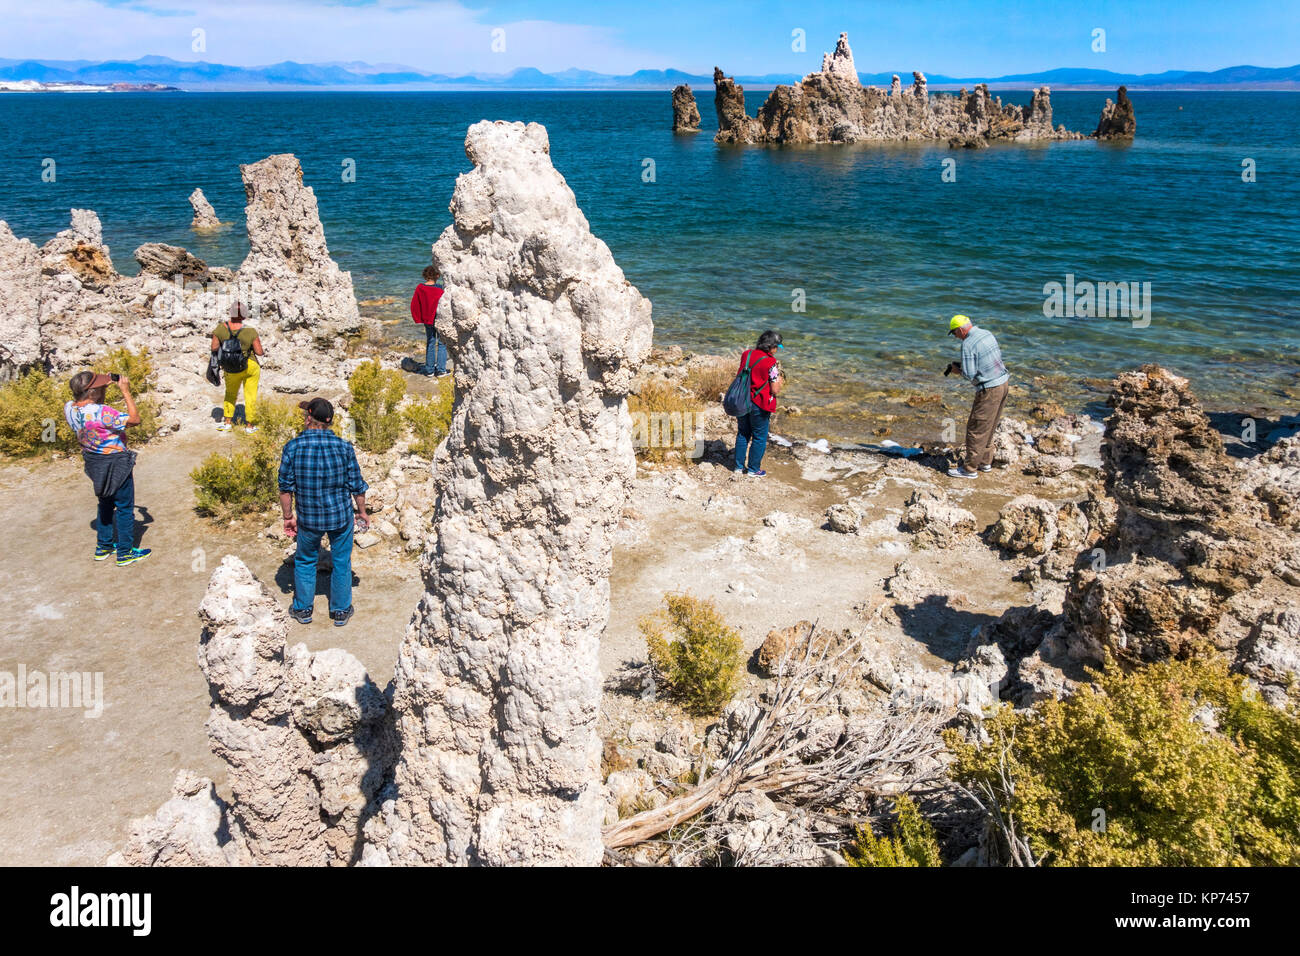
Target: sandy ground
column 759, row 549
column 69, row 784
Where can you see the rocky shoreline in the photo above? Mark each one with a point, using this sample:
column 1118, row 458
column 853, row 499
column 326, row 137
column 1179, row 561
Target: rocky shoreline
column 881, row 600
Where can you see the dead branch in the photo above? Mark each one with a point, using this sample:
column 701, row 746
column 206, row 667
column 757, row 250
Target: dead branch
column 799, row 745
column 991, row 797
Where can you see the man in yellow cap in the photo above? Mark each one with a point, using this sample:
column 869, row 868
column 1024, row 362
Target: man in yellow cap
column 981, row 363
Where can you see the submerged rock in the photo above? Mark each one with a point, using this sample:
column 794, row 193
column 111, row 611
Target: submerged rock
column 205, row 217
column 832, row 106
column 686, row 115
column 1118, row 121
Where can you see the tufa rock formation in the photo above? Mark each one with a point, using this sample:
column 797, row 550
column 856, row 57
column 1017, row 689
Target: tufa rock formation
column 734, row 124
column 686, row 115
column 1197, row 557
column 20, row 290
column 832, row 106
column 936, row 523
column 488, row 753
column 1030, row 525
column 205, row 217
column 1188, row 551
column 307, row 739
column 497, row 681
column 1117, row 119
column 66, row 305
column 288, row 273
column 167, row 262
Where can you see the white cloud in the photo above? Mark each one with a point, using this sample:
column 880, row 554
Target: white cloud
column 437, row 35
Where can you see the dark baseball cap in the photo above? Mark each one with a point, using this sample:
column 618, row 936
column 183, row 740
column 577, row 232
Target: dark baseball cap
column 319, row 409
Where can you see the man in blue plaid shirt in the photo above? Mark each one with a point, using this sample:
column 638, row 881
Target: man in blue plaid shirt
column 319, row 473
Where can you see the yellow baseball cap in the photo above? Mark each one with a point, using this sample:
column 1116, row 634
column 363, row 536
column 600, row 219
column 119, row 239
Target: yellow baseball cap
column 957, row 322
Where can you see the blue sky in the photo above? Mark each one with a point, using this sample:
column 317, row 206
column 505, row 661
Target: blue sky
column 955, row 37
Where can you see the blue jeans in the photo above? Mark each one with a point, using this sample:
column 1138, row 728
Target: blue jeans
column 304, row 568
column 752, row 432
column 117, row 514
column 435, row 354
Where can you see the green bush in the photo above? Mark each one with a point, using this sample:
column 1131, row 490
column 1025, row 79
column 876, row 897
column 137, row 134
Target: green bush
column 693, row 653
column 1126, row 772
column 245, row 481
column 912, row 842
column 31, row 415
column 31, row 407
column 430, row 419
column 376, row 393
column 138, row 368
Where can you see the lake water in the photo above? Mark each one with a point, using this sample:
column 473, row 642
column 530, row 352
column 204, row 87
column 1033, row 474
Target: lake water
column 724, row 240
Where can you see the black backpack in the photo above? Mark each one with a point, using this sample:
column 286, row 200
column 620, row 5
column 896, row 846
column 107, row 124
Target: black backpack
column 738, row 402
column 230, row 354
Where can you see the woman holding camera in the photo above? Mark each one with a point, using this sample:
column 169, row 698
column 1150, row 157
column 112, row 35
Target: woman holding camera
column 101, row 431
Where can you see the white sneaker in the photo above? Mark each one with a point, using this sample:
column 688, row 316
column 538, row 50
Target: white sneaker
column 986, row 467
column 223, row 426
column 962, row 473
column 249, row 429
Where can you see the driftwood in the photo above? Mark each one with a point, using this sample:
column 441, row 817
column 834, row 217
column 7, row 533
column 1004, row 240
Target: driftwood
column 781, row 751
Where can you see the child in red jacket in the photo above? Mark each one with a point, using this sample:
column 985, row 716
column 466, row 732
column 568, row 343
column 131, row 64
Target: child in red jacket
column 424, row 308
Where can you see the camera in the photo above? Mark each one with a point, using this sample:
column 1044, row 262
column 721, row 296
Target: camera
column 114, row 376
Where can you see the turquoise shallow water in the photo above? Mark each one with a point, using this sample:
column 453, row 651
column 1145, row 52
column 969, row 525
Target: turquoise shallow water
column 882, row 248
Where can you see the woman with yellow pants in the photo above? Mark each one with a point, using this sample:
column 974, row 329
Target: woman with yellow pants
column 250, row 348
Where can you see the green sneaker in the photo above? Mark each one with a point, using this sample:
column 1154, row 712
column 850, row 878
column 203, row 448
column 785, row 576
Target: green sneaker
column 102, row 553
column 132, row 556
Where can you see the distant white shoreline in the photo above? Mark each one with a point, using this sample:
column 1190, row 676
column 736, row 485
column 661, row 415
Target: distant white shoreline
column 36, row 86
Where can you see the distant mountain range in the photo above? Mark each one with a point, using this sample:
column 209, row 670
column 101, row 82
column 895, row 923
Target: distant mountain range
column 200, row 76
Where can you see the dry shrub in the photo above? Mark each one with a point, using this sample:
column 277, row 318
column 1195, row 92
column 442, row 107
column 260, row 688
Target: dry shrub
column 31, row 415
column 1173, row 764
column 430, row 419
column 693, row 653
column 376, row 393
column 31, row 406
column 664, row 419
column 246, row 481
column 708, row 382
column 911, row 843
